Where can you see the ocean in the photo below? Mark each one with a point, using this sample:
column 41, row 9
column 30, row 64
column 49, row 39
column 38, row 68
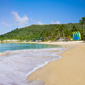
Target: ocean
column 17, row 61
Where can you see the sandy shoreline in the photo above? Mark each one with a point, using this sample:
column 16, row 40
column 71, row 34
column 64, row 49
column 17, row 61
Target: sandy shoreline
column 55, row 43
column 69, row 70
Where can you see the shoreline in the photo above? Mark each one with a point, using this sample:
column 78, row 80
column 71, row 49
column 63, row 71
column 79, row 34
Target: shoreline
column 42, row 73
column 49, row 50
column 62, row 43
column 39, row 74
column 45, row 63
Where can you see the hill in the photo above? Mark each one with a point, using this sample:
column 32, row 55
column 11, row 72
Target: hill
column 44, row 32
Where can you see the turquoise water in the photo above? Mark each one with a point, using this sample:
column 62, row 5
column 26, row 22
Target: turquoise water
column 17, row 61
column 17, row 46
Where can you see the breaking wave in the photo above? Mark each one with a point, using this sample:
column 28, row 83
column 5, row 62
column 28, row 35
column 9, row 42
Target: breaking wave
column 15, row 66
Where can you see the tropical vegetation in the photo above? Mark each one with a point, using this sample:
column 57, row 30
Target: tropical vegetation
column 46, row 32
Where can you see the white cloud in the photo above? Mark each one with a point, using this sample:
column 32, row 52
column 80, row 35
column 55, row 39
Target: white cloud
column 57, row 22
column 5, row 24
column 36, row 22
column 21, row 21
column 40, row 23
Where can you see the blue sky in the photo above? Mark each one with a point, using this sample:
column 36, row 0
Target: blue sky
column 20, row 13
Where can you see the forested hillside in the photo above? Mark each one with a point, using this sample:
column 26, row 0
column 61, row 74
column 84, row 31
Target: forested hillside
column 45, row 32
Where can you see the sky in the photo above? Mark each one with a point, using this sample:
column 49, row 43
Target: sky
column 21, row 13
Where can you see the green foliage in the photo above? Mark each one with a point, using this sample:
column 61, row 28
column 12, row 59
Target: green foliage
column 73, row 29
column 82, row 22
column 44, row 32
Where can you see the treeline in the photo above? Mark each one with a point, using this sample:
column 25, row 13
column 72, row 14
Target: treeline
column 46, row 32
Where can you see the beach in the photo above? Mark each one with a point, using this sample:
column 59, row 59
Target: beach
column 17, row 61
column 68, row 70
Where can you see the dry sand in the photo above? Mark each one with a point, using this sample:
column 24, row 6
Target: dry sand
column 68, row 70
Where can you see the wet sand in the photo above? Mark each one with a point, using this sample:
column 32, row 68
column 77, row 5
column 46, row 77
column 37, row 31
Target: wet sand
column 68, row 70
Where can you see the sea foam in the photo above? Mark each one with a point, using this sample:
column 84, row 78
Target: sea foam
column 15, row 66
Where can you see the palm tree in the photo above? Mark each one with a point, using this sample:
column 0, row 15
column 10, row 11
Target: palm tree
column 62, row 30
column 82, row 22
column 73, row 29
column 57, row 30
